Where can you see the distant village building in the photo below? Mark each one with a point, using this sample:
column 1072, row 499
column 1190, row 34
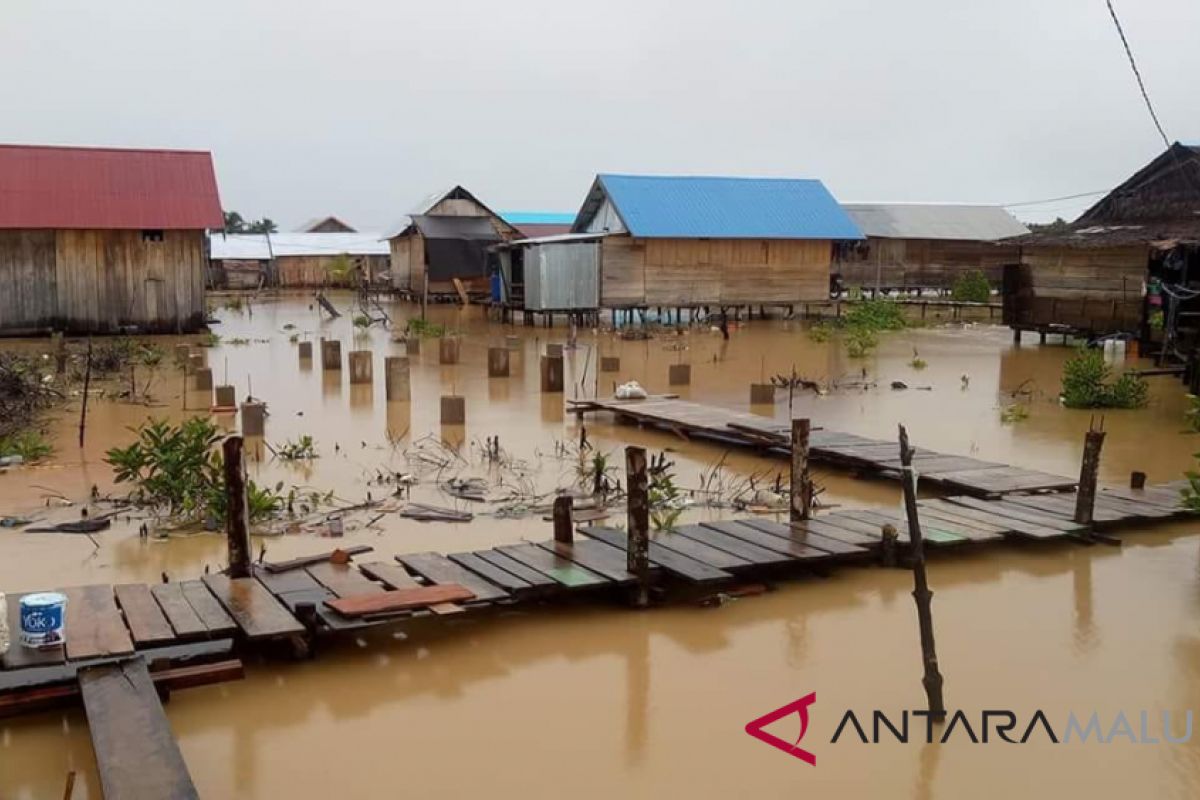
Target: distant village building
column 297, row 260
column 535, row 224
column 1119, row 266
column 446, row 238
column 683, row 242
column 923, row 246
column 104, row 240
column 328, row 224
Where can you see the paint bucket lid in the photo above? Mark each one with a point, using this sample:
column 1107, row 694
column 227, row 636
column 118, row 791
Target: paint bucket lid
column 44, row 599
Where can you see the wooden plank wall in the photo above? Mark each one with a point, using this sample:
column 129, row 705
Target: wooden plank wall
column 312, row 271
column 924, row 263
column 412, row 277
column 1095, row 289
column 691, row 272
column 109, row 279
column 28, row 281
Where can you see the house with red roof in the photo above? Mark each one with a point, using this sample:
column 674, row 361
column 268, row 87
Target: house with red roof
column 104, row 240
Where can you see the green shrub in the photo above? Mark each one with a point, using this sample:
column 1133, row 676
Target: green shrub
column 821, row 332
column 971, row 287
column 420, row 327
column 875, row 315
column 860, row 342
column 30, row 445
column 1086, row 383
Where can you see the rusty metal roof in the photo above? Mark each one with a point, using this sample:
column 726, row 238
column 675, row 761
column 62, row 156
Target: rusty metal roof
column 107, row 188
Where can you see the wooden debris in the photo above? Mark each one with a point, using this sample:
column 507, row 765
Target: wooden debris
column 304, row 561
column 399, row 599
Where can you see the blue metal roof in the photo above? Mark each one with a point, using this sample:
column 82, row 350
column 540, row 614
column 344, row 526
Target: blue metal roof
column 537, row 218
column 690, row 207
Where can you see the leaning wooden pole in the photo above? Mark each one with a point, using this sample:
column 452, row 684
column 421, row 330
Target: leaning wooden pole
column 801, row 490
column 637, row 544
column 921, row 594
column 237, row 523
column 87, row 385
column 1089, row 471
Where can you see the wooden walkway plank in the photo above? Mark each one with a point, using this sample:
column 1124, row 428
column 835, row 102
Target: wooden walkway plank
column 698, row 551
column 731, row 544
column 955, row 513
column 344, row 580
column 799, row 533
column 1132, row 508
column 1052, row 504
column 95, row 627
column 296, row 588
column 748, row 533
column 18, row 656
column 255, row 610
column 563, row 570
column 304, row 561
column 136, row 753
column 1005, row 508
column 146, row 622
column 540, row 582
column 179, row 612
column 1011, row 524
column 394, row 576
column 216, row 621
column 930, row 531
column 1166, row 499
column 596, row 556
column 436, row 568
column 672, row 562
column 838, row 529
column 397, row 600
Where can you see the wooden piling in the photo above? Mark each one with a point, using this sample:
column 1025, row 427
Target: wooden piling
column 1089, row 469
column 762, row 394
column 362, row 366
column 237, row 530
column 801, row 485
column 679, row 374
column 87, row 384
column 448, row 350
column 497, row 362
column 331, row 354
column 203, row 379
column 412, row 345
column 396, row 382
column 610, row 363
column 1137, row 480
column 554, row 350
column 552, row 374
column 305, row 351
column 637, row 547
column 932, row 679
column 226, row 398
column 563, row 529
column 60, row 352
column 254, row 418
column 512, row 342
column 454, row 409
column 887, row 551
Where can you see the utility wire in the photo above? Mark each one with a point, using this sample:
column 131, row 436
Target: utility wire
column 1054, row 199
column 1137, row 74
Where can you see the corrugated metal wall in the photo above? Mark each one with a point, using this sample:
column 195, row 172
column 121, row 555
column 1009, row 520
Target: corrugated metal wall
column 562, row 276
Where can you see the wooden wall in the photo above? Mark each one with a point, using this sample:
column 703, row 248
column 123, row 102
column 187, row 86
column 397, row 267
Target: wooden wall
column 408, row 250
column 921, row 263
column 1091, row 289
column 693, row 272
column 314, row 271
column 99, row 281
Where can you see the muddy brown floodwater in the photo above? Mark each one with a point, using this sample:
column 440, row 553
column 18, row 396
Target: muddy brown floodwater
column 607, row 702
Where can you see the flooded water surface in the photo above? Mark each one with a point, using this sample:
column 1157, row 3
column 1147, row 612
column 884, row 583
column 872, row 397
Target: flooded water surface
column 604, row 701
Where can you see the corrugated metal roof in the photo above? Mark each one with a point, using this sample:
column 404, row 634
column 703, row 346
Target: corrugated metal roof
column 94, row 187
column 254, row 246
column 535, row 230
column 934, row 221
column 720, row 208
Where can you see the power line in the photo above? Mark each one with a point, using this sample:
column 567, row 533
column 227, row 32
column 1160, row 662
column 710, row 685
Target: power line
column 1054, row 199
column 1137, row 74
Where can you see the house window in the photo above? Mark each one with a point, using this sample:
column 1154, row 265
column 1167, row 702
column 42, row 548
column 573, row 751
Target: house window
column 153, row 235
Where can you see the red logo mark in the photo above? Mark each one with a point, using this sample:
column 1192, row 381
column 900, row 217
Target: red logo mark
column 800, row 707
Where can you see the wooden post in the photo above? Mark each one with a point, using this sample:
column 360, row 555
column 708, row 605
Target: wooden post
column 454, row 409
column 396, row 383
column 60, row 352
column 762, row 394
column 1085, row 497
column 226, row 398
column 932, row 679
column 679, row 374
column 1137, row 480
column 887, row 552
column 87, row 383
column 497, row 362
column 202, row 379
column 563, row 529
column 448, row 350
column 331, row 354
column 637, row 545
column 237, row 531
column 254, row 418
column 305, row 351
column 801, row 499
column 610, row 363
column 362, row 366
column 552, row 374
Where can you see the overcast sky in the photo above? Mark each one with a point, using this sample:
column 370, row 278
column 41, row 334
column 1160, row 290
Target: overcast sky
column 362, row 107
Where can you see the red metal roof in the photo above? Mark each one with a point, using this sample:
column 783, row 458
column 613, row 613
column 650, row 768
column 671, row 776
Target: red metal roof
column 94, row 187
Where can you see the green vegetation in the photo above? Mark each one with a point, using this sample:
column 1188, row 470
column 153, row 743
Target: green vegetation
column 971, row 287
column 1156, row 320
column 860, row 342
column 303, row 449
column 235, row 223
column 821, row 332
column 362, row 321
column 1192, row 415
column 426, row 329
column 209, row 339
column 666, row 501
column 30, row 445
column 1087, row 383
column 339, row 269
column 875, row 315
column 917, row 362
column 1017, row 412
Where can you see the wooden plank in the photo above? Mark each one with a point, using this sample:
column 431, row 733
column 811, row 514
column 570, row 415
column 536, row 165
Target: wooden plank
column 95, row 627
column 304, row 561
column 731, row 544
column 1063, row 507
column 211, row 613
column 563, row 570
column 748, row 533
column 436, row 568
column 929, row 529
column 255, row 610
column 504, row 574
column 953, row 513
column 595, row 556
column 1167, row 499
column 976, row 531
column 399, row 600
column 1006, row 509
column 698, row 551
column 797, row 532
column 136, row 753
column 344, row 580
column 670, row 561
column 841, row 532
column 394, row 576
column 1002, row 480
column 179, row 612
column 498, row 561
column 146, row 622
column 1009, row 524
column 20, row 657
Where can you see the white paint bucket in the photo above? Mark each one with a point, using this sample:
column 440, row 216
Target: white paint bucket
column 43, row 619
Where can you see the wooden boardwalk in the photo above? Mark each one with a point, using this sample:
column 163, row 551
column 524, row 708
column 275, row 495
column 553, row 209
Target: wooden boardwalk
column 113, row 632
column 846, row 450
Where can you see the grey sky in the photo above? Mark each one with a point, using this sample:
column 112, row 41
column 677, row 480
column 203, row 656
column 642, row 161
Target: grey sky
column 362, row 107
